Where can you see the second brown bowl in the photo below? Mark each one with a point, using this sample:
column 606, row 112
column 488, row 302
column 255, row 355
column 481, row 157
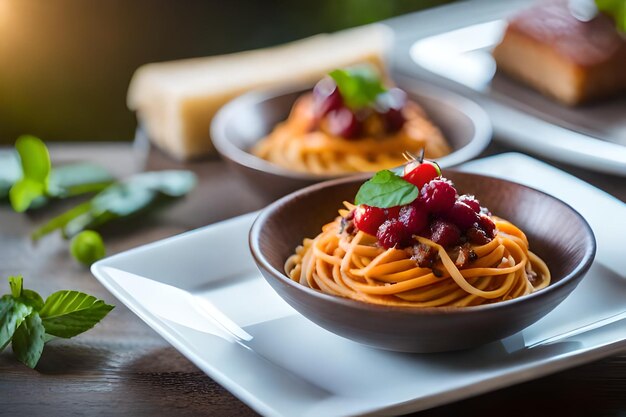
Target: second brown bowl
column 247, row 119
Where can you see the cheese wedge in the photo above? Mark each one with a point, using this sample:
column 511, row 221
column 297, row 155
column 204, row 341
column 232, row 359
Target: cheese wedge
column 175, row 101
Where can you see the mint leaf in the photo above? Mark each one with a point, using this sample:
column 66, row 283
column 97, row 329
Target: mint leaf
column 359, row 86
column 172, row 183
column 12, row 313
column 75, row 179
column 69, row 313
column 28, row 340
column 35, row 161
column 40, row 181
column 60, row 221
column 16, row 284
column 24, row 193
column 616, row 9
column 130, row 197
column 34, row 157
column 386, row 189
column 122, row 199
column 31, row 298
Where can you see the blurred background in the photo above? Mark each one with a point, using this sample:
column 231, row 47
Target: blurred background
column 65, row 65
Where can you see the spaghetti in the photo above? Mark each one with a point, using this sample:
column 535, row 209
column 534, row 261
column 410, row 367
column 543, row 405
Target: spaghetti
column 300, row 145
column 352, row 265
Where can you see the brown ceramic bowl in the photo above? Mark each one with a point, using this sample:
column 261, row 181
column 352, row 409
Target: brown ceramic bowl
column 250, row 117
column 556, row 232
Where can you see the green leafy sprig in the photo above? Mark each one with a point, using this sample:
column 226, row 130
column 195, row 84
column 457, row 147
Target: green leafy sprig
column 30, row 181
column 386, row 189
column 123, row 199
column 359, row 86
column 28, row 322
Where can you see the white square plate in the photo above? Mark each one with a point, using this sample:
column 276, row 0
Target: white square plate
column 202, row 292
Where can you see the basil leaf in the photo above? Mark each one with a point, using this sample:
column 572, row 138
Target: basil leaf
column 141, row 190
column 386, row 189
column 10, row 172
column 74, row 179
column 88, row 220
column 12, row 313
column 34, row 157
column 123, row 199
column 131, row 197
column 24, row 193
column 35, row 162
column 16, row 285
column 172, row 183
column 31, row 298
column 28, row 340
column 359, row 86
column 616, row 9
column 60, row 221
column 28, row 297
column 69, row 313
column 39, row 181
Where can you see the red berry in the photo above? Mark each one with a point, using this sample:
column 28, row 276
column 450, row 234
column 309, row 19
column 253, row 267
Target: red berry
column 438, row 195
column 477, row 236
column 393, row 212
column 471, row 201
column 393, row 120
column 414, row 218
column 444, row 233
column 391, row 234
column 420, row 174
column 390, row 104
column 368, row 218
column 462, row 215
column 343, row 122
column 486, row 224
column 326, row 97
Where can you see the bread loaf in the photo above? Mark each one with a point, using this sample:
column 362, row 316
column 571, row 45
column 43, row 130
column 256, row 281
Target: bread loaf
column 175, row 101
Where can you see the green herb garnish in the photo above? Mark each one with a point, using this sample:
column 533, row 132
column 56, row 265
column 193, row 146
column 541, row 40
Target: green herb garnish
column 31, row 180
column 386, row 189
column 359, row 86
column 28, row 322
column 120, row 200
column 616, row 9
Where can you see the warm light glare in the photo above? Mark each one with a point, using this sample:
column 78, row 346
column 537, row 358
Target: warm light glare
column 4, row 12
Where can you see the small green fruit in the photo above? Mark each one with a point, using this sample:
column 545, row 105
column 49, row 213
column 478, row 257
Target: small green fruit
column 87, row 247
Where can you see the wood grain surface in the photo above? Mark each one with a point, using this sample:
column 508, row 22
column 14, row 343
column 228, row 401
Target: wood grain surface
column 123, row 368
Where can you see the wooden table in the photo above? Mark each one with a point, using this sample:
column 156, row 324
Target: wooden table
column 122, row 367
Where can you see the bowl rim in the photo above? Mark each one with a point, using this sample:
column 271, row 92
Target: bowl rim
column 262, row 262
column 477, row 116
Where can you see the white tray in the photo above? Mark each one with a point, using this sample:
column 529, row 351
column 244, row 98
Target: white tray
column 202, row 292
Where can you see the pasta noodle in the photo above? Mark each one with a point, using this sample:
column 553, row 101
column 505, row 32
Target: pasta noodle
column 351, row 265
column 295, row 144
